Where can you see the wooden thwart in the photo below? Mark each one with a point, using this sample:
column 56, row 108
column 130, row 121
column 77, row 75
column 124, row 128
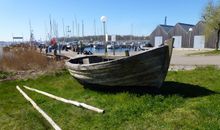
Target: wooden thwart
column 54, row 125
column 66, row 100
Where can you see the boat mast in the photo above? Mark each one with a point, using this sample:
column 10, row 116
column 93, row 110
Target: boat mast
column 45, row 29
column 82, row 29
column 55, row 29
column 78, row 30
column 50, row 28
column 94, row 24
column 76, row 24
column 68, row 31
column 73, row 28
column 63, row 31
column 31, row 33
column 131, row 32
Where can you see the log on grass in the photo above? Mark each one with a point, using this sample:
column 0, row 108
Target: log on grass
column 49, row 119
column 66, row 100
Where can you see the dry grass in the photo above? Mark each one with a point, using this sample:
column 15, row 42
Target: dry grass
column 23, row 58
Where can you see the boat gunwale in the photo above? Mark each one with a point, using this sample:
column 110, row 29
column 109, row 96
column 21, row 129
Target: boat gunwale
column 107, row 62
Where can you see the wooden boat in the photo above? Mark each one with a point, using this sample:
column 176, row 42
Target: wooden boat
column 148, row 68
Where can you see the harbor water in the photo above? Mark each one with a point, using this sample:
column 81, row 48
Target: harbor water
column 93, row 50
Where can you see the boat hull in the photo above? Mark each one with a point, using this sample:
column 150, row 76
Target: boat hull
column 148, row 68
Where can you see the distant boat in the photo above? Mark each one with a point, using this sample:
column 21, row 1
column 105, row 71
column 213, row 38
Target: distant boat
column 99, row 45
column 109, row 46
column 148, row 68
column 112, row 46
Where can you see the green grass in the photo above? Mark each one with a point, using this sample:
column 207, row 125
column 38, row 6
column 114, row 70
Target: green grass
column 187, row 100
column 4, row 75
column 206, row 53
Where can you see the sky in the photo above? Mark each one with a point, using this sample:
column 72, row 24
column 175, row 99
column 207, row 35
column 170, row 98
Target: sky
column 125, row 17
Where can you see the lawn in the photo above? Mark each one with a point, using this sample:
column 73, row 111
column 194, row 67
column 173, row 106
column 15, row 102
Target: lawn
column 187, row 100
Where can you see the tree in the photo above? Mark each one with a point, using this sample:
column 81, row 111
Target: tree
column 211, row 17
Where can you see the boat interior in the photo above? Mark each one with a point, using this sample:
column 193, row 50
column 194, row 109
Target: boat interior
column 93, row 59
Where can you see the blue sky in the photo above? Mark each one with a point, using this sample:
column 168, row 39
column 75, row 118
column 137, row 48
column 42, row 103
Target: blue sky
column 144, row 15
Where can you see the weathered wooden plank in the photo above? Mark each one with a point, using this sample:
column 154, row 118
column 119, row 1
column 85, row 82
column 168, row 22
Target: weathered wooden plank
column 49, row 119
column 66, row 100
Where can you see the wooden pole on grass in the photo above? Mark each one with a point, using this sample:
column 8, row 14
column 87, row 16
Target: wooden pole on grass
column 66, row 100
column 54, row 125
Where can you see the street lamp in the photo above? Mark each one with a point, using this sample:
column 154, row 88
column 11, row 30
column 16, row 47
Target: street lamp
column 103, row 20
column 190, row 31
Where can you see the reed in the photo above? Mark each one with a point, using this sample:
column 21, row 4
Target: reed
column 23, row 58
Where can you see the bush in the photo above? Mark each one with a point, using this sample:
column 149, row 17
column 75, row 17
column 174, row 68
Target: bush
column 4, row 75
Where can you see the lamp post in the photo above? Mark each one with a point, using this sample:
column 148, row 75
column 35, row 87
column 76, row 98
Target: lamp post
column 103, row 20
column 190, row 31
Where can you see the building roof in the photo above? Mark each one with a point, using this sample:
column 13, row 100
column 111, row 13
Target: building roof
column 166, row 28
column 186, row 26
